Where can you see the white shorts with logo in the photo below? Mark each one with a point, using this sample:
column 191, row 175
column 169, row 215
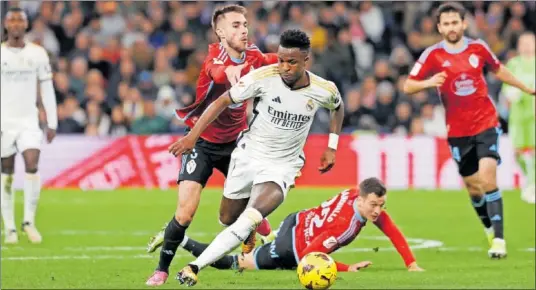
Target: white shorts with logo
column 245, row 171
column 20, row 140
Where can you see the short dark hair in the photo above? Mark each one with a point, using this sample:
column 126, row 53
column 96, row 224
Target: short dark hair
column 295, row 38
column 15, row 9
column 450, row 7
column 220, row 12
column 372, row 185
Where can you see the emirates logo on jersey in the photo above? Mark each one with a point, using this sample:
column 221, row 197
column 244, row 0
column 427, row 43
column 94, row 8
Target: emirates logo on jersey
column 463, row 85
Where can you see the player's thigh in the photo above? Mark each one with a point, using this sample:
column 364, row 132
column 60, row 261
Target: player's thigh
column 239, row 180
column 473, row 184
column 230, row 209
column 488, row 173
column 464, row 153
column 29, row 139
column 222, row 156
column 196, row 166
column 284, row 175
column 8, row 145
column 487, row 144
column 31, row 159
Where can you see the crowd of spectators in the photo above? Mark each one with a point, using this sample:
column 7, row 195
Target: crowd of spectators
column 124, row 67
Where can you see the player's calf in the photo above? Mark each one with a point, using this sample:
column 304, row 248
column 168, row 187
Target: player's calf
column 189, row 196
column 8, row 197
column 494, row 203
column 32, row 192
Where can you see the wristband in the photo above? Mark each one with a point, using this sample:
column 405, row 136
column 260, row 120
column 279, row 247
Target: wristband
column 333, row 141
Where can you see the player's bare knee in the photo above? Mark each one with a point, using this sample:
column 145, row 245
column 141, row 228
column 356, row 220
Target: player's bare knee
column 8, row 165
column 266, row 197
column 184, row 218
column 31, row 169
column 228, row 218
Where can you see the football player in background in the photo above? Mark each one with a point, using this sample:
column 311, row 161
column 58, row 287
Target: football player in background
column 25, row 66
column 522, row 117
column 326, row 228
column 454, row 67
column 226, row 62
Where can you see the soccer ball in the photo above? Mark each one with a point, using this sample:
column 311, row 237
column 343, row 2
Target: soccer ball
column 317, row 271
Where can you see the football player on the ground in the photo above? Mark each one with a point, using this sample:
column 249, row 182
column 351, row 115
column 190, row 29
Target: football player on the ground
column 269, row 154
column 522, row 117
column 325, row 228
column 25, row 66
column 455, row 67
column 226, row 62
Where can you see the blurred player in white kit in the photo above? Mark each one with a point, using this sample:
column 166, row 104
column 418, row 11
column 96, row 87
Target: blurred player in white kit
column 24, row 66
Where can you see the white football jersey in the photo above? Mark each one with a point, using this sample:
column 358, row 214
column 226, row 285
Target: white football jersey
column 22, row 70
column 282, row 116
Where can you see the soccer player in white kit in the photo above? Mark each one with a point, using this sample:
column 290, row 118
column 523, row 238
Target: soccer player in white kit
column 270, row 153
column 24, row 66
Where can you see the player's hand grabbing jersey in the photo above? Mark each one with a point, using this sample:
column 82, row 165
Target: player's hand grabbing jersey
column 282, row 116
column 469, row 108
column 212, row 83
column 336, row 223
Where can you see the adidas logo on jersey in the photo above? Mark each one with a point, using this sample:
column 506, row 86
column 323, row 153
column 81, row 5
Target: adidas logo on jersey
column 446, row 63
column 277, row 100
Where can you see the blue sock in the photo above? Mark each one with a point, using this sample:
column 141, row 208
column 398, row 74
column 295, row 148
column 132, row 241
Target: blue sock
column 495, row 211
column 479, row 204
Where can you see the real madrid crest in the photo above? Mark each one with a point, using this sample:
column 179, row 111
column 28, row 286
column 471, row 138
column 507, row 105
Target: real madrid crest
column 473, row 60
column 310, row 105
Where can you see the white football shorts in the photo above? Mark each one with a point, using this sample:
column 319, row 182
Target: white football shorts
column 246, row 171
column 20, row 141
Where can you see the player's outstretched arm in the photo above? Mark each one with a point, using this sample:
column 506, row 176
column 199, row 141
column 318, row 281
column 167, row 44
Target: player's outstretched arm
column 388, row 227
column 327, row 243
column 187, row 143
column 505, row 76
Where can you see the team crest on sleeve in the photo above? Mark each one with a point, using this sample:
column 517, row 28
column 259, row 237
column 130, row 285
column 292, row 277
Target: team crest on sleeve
column 473, row 60
column 190, row 166
column 310, row 105
column 330, row 242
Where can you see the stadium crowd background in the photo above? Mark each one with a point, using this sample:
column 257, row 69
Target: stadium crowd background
column 124, row 67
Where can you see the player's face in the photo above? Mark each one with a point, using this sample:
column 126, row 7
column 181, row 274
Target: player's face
column 16, row 24
column 292, row 62
column 371, row 206
column 233, row 29
column 526, row 45
column 451, row 26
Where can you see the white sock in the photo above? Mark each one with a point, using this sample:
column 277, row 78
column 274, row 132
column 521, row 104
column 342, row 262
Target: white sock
column 184, row 241
column 32, row 190
column 230, row 238
column 8, row 202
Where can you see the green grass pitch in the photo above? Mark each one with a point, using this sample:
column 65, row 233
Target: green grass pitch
column 97, row 240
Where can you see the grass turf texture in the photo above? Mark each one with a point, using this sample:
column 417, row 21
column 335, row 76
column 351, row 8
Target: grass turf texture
column 97, row 240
